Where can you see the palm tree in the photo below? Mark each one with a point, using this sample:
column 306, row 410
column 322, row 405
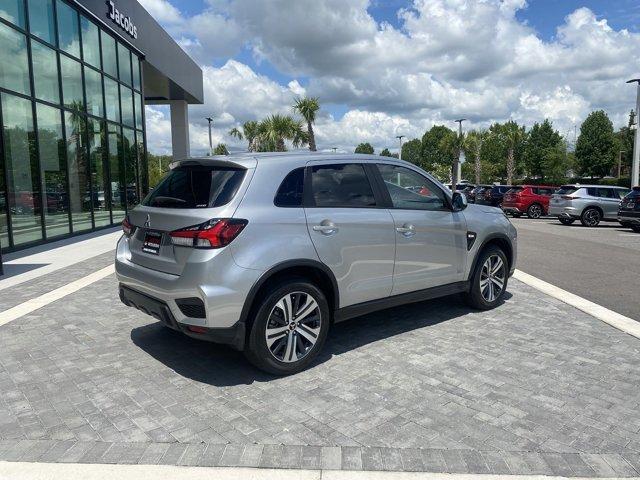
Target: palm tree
column 452, row 145
column 249, row 132
column 473, row 145
column 307, row 108
column 275, row 129
column 514, row 137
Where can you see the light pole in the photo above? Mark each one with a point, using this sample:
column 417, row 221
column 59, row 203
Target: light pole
column 635, row 165
column 400, row 137
column 334, row 149
column 458, row 167
column 209, row 119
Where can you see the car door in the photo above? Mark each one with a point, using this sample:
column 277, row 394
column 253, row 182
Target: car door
column 352, row 233
column 609, row 201
column 430, row 237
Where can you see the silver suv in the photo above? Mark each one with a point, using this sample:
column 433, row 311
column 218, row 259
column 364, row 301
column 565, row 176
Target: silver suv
column 265, row 251
column 589, row 203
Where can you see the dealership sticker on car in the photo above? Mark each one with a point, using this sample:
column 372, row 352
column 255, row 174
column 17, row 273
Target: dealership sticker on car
column 152, row 242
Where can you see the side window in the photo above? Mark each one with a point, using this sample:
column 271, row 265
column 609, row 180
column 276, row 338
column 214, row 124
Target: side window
column 536, row 190
column 290, row 193
column 593, row 192
column 605, row 193
column 411, row 191
column 621, row 193
column 341, row 185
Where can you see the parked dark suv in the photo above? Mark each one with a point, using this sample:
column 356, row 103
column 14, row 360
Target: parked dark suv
column 629, row 211
column 478, row 190
column 493, row 196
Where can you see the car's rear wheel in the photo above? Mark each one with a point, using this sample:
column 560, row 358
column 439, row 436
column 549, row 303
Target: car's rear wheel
column 635, row 228
column 489, row 280
column 534, row 210
column 290, row 327
column 590, row 217
column 566, row 221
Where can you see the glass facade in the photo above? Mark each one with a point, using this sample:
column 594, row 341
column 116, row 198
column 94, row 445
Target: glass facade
column 72, row 124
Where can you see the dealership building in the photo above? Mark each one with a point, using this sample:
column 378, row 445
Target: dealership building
column 74, row 79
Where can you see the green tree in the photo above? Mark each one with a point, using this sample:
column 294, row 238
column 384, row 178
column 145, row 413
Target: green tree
column 221, row 149
column 385, row 152
column 555, row 163
column 473, row 150
column 543, row 143
column 431, row 152
column 595, row 148
column 512, row 139
column 412, row 151
column 364, row 148
column 249, row 132
column 307, row 108
column 451, row 146
column 274, row 130
column 158, row 166
column 624, row 148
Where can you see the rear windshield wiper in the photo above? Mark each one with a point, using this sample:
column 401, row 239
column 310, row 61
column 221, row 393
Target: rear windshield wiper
column 167, row 201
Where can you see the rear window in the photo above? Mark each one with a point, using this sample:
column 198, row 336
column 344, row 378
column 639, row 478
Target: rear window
column 290, row 193
column 196, row 187
column 566, row 190
column 515, row 190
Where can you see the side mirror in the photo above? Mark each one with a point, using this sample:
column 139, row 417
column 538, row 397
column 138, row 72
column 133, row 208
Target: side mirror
column 459, row 201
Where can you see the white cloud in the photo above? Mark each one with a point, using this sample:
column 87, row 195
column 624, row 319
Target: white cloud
column 445, row 59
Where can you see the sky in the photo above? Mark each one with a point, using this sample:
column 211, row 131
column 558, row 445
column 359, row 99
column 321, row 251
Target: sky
column 397, row 67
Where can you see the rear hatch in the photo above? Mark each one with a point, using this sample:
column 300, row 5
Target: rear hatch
column 192, row 193
column 631, row 201
column 563, row 196
column 512, row 195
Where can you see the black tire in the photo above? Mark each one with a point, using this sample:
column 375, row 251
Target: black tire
column 476, row 296
column 590, row 217
column 516, row 215
column 535, row 210
column 566, row 221
column 268, row 313
column 635, row 228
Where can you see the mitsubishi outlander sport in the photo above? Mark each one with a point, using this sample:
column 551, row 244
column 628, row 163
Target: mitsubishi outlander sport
column 264, row 252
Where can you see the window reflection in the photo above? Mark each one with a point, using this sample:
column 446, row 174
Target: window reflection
column 127, row 105
column 79, row 179
column 90, row 42
column 118, row 196
column 111, row 99
column 45, row 72
column 143, row 170
column 53, row 170
column 42, row 20
column 21, row 162
column 93, row 88
column 12, row 11
column 71, row 83
column 109, row 61
column 131, row 166
column 139, row 107
column 124, row 63
column 136, row 71
column 14, row 71
column 99, row 173
column 68, row 29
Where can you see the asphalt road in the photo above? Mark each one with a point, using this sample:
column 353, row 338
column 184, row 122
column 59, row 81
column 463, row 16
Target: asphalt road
column 601, row 264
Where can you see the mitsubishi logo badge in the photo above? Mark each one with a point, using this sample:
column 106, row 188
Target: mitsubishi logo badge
column 147, row 222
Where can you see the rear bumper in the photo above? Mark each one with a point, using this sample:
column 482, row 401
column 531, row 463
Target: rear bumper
column 233, row 336
column 631, row 218
column 566, row 212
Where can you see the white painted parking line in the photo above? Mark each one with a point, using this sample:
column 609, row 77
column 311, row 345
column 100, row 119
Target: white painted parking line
column 49, row 297
column 75, row 471
column 616, row 320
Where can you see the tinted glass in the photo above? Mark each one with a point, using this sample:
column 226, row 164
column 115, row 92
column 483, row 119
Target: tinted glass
column 196, row 187
column 136, row 71
column 605, row 193
column 566, row 190
column 45, row 72
column 138, row 105
column 343, row 185
column 79, row 175
column 14, row 64
column 53, row 170
column 118, row 198
column 126, row 98
column 42, row 20
column 68, row 29
column 409, row 190
column 112, row 100
column 93, row 88
column 13, row 11
column 290, row 192
column 90, row 42
column 124, row 63
column 109, row 59
column 142, row 163
column 71, row 83
column 99, row 172
column 515, row 190
column 131, row 166
column 20, row 160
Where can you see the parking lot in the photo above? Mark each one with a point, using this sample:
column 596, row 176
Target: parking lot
column 532, row 387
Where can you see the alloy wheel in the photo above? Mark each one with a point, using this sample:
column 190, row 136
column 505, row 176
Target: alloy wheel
column 592, row 217
column 492, row 278
column 535, row 211
column 293, row 327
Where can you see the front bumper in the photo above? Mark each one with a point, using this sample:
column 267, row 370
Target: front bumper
column 233, row 336
column 511, row 209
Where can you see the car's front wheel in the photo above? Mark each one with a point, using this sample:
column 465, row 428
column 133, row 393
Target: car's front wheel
column 489, row 280
column 290, row 327
column 591, row 217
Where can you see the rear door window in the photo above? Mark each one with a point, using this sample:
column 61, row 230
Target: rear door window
column 196, row 187
column 341, row 185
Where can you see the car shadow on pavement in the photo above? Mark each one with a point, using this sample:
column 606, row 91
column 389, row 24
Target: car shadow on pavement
column 220, row 365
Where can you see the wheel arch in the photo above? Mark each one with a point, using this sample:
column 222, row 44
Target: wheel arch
column 313, row 270
column 594, row 206
column 500, row 240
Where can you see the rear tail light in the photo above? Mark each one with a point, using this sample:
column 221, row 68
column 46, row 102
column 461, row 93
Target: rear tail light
column 127, row 227
column 216, row 233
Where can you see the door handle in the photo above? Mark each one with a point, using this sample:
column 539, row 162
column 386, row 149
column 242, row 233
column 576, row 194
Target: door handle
column 326, row 227
column 407, row 230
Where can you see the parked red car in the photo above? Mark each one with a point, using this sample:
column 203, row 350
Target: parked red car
column 530, row 199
